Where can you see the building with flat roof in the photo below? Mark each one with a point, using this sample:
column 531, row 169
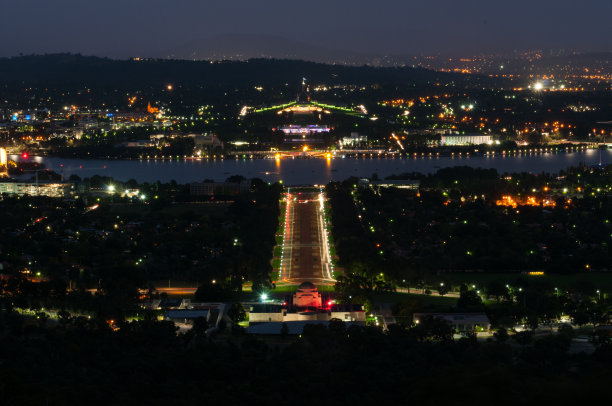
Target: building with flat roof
column 186, row 316
column 49, row 189
column 306, row 305
column 408, row 184
column 467, row 139
column 311, row 133
column 266, row 313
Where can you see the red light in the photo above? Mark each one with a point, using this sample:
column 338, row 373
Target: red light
column 329, row 303
column 25, row 155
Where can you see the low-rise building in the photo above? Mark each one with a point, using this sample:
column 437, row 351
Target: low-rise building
column 354, row 140
column 307, row 305
column 465, row 139
column 279, row 313
column 49, row 189
column 409, row 184
column 186, row 316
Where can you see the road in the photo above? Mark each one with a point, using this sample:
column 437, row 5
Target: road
column 305, row 247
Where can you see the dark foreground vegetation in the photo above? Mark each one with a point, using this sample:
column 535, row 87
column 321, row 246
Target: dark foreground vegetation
column 81, row 362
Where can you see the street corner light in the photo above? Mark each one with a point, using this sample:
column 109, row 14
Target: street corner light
column 111, row 188
column 264, row 297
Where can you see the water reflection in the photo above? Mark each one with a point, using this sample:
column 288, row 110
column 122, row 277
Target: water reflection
column 315, row 170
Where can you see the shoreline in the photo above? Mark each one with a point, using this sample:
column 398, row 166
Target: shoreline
column 324, row 155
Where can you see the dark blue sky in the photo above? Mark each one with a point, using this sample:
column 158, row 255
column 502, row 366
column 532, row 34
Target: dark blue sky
column 134, row 27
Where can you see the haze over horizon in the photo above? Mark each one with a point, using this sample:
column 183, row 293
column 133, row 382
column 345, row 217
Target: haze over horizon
column 158, row 28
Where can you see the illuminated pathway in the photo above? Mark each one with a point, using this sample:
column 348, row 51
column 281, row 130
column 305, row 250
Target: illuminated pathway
column 305, row 251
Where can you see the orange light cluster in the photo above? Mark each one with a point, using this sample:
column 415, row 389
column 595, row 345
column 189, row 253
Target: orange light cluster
column 151, row 109
column 399, row 103
column 514, row 202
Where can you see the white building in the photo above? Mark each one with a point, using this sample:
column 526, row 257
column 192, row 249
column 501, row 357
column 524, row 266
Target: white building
column 266, row 313
column 355, row 139
column 467, row 139
column 49, row 189
column 307, row 306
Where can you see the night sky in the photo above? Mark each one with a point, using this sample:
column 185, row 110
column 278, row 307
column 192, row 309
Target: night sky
column 130, row 27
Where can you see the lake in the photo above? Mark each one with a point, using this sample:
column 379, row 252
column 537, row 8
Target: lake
column 299, row 171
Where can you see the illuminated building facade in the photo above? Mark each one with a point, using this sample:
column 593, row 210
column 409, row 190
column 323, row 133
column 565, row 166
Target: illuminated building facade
column 49, row 189
column 307, row 133
column 307, row 295
column 452, row 140
column 308, row 305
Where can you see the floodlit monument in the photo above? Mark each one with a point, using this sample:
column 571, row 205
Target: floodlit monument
column 307, row 295
column 307, row 305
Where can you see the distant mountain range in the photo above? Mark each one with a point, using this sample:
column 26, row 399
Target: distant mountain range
column 244, row 47
column 75, row 70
